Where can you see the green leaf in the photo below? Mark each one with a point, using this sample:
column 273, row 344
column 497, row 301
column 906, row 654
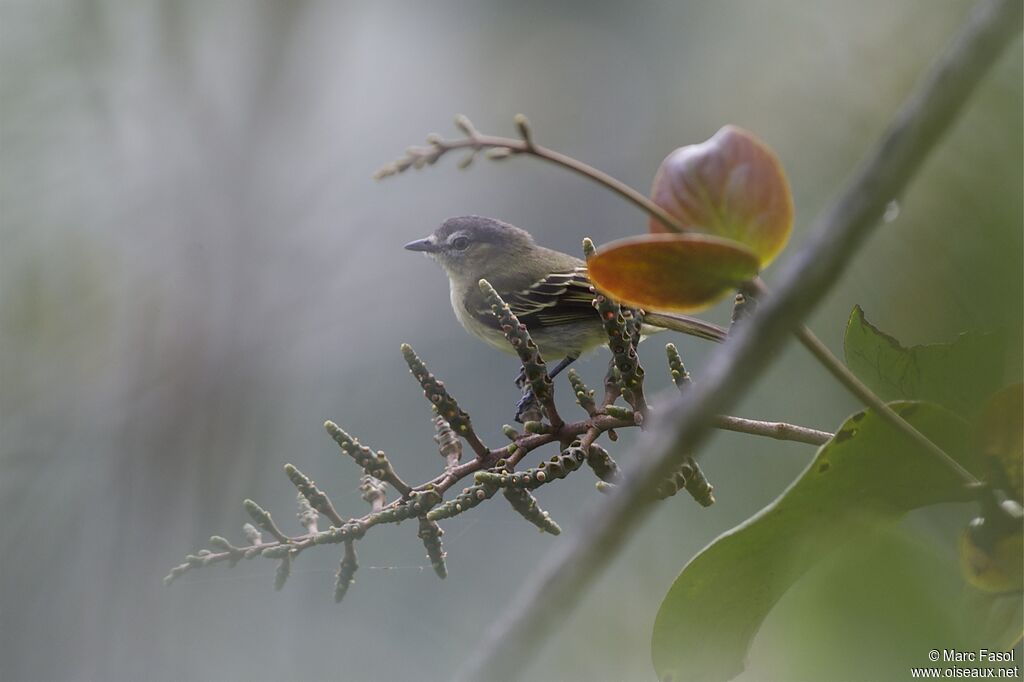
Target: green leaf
column 671, row 272
column 878, row 607
column 958, row 375
column 867, row 475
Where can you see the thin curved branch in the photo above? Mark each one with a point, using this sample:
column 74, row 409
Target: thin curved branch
column 475, row 141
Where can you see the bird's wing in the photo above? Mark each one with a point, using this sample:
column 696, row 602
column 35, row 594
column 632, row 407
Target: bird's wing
column 568, row 297
column 559, row 298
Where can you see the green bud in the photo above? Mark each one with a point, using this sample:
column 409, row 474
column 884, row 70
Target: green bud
column 619, row 412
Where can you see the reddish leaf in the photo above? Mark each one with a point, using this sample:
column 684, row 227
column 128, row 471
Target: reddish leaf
column 671, row 272
column 731, row 186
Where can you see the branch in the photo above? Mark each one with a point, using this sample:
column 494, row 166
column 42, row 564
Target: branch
column 491, row 466
column 857, row 387
column 777, row 430
column 534, row 369
column 503, row 147
column 555, row 588
column 443, row 402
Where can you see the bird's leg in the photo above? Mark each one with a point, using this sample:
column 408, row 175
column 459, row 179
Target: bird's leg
column 527, row 406
column 528, row 409
column 562, row 364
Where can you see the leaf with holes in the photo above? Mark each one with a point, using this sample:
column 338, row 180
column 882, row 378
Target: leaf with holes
column 867, row 475
column 730, row 186
column 671, row 272
column 960, row 375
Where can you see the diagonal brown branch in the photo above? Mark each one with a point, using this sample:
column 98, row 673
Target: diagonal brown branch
column 555, row 588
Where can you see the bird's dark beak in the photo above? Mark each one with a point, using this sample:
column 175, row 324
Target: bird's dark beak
column 425, row 245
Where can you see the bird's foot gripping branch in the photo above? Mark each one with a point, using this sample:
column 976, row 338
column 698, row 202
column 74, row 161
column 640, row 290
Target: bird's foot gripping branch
column 492, row 469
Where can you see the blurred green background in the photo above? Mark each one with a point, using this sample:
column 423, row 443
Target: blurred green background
column 189, row 239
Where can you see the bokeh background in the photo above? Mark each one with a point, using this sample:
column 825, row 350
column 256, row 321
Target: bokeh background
column 196, row 270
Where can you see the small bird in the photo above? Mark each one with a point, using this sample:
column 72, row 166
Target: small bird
column 549, row 291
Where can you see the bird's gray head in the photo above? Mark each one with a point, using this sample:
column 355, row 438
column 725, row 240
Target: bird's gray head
column 472, row 245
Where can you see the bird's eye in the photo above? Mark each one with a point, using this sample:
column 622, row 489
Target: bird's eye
column 460, row 243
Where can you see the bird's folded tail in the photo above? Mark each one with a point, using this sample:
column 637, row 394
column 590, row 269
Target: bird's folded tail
column 686, row 325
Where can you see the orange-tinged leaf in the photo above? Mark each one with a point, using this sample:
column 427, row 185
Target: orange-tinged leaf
column 992, row 545
column 992, row 555
column 1000, row 436
column 671, row 272
column 730, row 186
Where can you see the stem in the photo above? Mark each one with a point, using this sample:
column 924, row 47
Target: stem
column 554, row 587
column 479, row 449
column 777, row 430
column 861, row 391
column 838, row 370
column 478, row 141
column 397, row 483
column 552, row 412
